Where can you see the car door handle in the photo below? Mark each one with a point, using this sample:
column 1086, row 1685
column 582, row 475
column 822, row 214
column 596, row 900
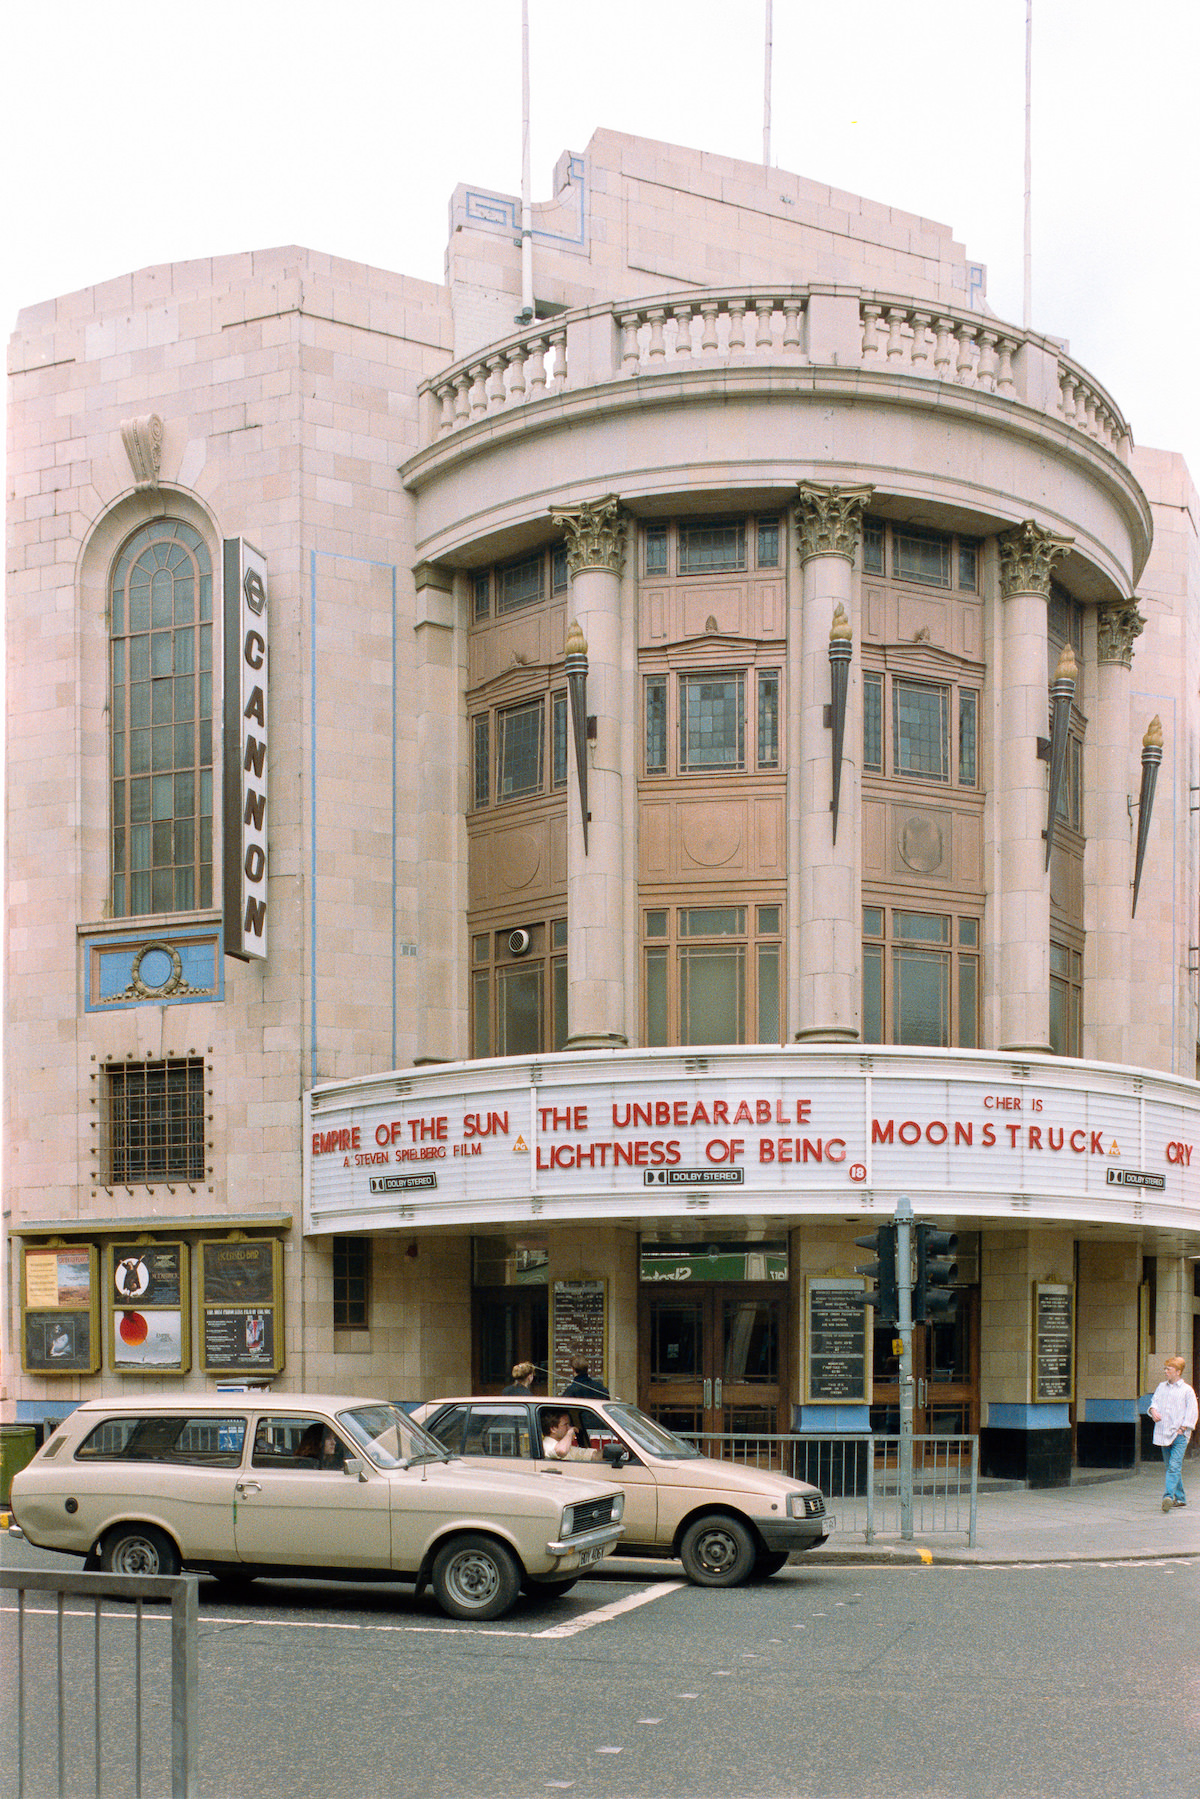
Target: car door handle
column 248, row 1486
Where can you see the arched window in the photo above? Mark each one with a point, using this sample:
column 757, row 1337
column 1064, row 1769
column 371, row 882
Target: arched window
column 161, row 721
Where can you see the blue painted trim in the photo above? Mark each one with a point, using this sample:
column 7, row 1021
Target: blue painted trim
column 1027, row 1417
column 1144, row 1402
column 503, row 212
column 131, row 945
column 32, row 1411
column 832, row 1420
column 1110, row 1411
column 312, row 818
column 395, row 818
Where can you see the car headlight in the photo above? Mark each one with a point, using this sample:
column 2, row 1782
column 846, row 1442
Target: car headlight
column 567, row 1527
column 618, row 1508
column 805, row 1505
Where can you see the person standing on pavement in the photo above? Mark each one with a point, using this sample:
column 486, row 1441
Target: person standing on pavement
column 522, row 1381
column 584, row 1385
column 1173, row 1410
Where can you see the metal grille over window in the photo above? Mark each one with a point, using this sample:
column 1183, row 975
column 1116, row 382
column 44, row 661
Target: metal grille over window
column 154, row 1122
column 161, row 722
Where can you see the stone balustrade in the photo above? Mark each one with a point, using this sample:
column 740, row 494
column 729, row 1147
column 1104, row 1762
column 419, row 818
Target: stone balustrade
column 814, row 328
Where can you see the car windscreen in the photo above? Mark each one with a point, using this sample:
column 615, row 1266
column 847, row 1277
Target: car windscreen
column 389, row 1436
column 654, row 1438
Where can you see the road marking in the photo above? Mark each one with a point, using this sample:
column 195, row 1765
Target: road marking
column 926, row 1556
column 603, row 1613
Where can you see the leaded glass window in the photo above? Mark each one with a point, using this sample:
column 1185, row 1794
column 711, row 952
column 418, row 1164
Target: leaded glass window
column 712, row 722
column 161, row 710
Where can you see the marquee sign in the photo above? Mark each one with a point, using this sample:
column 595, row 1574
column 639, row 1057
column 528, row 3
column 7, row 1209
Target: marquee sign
column 632, row 1134
column 245, row 751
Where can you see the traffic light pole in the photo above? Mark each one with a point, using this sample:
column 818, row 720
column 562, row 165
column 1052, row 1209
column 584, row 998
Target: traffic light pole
column 904, row 1324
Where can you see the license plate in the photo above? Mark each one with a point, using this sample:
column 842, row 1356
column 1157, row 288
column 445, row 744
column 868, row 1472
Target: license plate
column 587, row 1556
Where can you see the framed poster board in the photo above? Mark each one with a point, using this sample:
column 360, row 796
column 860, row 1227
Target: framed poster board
column 837, row 1343
column 60, row 1309
column 1053, row 1342
column 578, row 1330
column 149, row 1307
column 241, row 1305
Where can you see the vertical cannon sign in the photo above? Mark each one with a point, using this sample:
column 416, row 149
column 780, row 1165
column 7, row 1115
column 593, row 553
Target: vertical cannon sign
column 245, row 751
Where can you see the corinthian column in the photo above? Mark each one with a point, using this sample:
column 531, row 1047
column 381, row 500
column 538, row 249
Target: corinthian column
column 1027, row 555
column 824, row 876
column 1110, row 761
column 595, row 855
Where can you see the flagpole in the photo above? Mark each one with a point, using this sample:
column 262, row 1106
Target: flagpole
column 1028, row 314
column 767, row 94
column 526, row 209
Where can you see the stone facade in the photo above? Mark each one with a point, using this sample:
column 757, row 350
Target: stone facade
column 750, row 412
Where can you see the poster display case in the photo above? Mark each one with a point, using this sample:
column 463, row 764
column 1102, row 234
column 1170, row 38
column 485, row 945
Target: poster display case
column 241, row 1306
column 60, row 1310
column 149, row 1307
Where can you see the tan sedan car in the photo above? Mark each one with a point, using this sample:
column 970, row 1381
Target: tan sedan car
column 724, row 1520
column 302, row 1485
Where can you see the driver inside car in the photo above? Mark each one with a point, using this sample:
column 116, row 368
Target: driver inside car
column 560, row 1439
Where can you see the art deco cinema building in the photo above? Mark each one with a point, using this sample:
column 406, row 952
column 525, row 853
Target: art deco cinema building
column 529, row 835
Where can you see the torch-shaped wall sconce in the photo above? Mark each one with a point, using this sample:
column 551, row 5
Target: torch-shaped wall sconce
column 1062, row 692
column 841, row 648
column 577, row 673
column 1152, row 752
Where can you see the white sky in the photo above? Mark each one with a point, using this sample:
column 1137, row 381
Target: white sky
column 137, row 133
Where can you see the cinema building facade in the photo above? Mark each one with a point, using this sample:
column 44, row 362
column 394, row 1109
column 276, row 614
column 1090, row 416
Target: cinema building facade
column 529, row 838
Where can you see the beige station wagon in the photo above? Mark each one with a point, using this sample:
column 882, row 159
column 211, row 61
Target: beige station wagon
column 724, row 1520
column 246, row 1484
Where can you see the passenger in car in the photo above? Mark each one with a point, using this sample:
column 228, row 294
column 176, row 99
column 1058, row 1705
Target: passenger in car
column 559, row 1440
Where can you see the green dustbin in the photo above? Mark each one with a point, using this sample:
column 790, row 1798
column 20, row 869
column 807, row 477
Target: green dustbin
column 18, row 1443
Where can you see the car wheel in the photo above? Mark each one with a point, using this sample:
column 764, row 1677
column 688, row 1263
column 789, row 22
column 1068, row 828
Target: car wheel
column 474, row 1577
column 717, row 1551
column 768, row 1564
column 138, row 1549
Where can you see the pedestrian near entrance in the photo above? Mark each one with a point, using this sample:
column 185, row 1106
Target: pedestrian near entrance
column 522, row 1381
column 1173, row 1410
column 584, row 1385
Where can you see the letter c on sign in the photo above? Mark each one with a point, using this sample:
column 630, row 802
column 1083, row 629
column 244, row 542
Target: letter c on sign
column 253, row 649
column 857, row 1171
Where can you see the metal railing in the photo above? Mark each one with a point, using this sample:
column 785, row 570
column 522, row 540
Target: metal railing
column 128, row 1712
column 860, row 1477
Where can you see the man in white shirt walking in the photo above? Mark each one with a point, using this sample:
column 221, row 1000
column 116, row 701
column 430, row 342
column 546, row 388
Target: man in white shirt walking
column 1173, row 1410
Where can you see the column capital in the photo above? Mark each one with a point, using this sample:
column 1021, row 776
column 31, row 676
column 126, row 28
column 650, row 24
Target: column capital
column 595, row 534
column 829, row 519
column 1117, row 625
column 1028, row 554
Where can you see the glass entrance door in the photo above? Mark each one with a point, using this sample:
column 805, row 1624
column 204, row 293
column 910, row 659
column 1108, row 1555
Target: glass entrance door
column 714, row 1359
column 511, row 1326
column 945, row 1369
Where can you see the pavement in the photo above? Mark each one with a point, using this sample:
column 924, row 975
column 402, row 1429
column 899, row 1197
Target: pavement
column 1101, row 1517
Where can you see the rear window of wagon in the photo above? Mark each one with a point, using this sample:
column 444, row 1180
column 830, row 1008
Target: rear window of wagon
column 205, row 1441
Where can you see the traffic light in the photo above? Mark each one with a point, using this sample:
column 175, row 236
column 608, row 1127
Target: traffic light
column 936, row 1270
column 884, row 1298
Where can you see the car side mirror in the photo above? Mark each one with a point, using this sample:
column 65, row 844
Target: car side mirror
column 616, row 1454
column 352, row 1465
